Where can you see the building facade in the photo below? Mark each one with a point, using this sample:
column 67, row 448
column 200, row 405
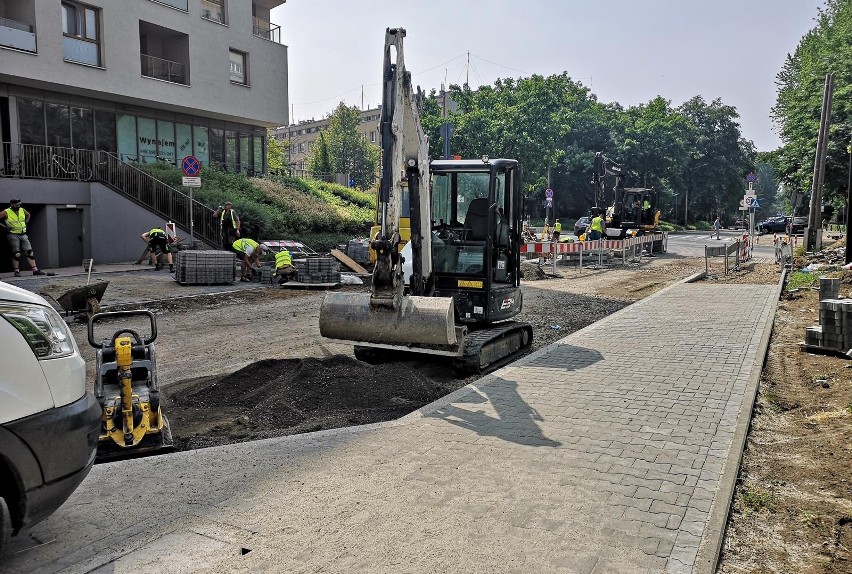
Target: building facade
column 147, row 80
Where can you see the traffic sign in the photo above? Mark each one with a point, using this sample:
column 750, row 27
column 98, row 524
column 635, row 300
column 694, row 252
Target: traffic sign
column 751, row 178
column 751, row 201
column 548, row 193
column 191, row 181
column 190, row 166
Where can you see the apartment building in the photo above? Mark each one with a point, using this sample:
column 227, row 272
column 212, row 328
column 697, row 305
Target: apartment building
column 304, row 134
column 146, row 80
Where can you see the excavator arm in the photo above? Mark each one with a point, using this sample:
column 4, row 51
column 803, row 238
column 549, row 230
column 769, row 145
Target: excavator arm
column 405, row 166
column 388, row 315
column 603, row 167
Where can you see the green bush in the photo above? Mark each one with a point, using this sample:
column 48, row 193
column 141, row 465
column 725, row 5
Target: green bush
column 280, row 207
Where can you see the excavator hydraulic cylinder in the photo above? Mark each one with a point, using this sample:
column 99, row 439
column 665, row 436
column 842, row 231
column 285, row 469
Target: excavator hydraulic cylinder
column 420, row 320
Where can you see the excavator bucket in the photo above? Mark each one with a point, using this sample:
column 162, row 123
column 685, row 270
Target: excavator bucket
column 417, row 320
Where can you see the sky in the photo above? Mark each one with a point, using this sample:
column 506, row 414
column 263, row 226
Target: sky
column 625, row 51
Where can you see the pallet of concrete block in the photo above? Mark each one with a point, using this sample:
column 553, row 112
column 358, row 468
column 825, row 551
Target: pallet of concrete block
column 359, row 251
column 316, row 271
column 204, row 267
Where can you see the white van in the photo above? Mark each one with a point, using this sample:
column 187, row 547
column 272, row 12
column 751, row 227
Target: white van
column 49, row 424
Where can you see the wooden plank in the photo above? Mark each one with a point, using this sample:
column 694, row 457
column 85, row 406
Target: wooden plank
column 348, row 261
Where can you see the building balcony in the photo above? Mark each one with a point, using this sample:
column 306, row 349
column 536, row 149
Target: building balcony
column 267, row 30
column 18, row 35
column 166, row 70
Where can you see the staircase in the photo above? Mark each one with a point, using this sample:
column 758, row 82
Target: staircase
column 71, row 164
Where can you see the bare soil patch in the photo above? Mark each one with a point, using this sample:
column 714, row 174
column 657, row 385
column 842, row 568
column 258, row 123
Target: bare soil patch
column 792, row 509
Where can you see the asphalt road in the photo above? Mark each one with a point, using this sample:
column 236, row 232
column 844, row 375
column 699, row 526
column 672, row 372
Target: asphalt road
column 691, row 243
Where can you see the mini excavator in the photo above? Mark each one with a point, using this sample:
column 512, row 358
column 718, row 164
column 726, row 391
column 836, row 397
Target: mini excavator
column 464, row 280
column 127, row 389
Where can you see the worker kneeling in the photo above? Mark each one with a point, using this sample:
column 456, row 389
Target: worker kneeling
column 157, row 241
column 284, row 267
column 250, row 251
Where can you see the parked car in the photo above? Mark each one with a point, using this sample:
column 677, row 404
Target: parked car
column 799, row 224
column 739, row 224
column 49, row 424
column 581, row 225
column 777, row 224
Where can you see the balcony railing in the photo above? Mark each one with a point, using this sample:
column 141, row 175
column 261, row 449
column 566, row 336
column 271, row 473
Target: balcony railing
column 17, row 35
column 166, row 70
column 70, row 164
column 267, row 30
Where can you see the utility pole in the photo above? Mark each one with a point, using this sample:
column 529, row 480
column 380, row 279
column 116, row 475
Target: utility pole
column 848, row 204
column 813, row 233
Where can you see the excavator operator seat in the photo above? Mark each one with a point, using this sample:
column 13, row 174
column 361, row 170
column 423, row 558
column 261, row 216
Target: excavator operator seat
column 476, row 220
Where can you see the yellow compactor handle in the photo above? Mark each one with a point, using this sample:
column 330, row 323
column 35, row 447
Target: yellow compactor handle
column 124, row 360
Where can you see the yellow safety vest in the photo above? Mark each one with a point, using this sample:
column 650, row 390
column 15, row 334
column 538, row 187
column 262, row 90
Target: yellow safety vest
column 557, row 226
column 16, row 222
column 240, row 244
column 156, row 232
column 646, row 204
column 597, row 223
column 233, row 221
column 283, row 258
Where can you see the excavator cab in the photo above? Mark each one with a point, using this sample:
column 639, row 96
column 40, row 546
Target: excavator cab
column 477, row 216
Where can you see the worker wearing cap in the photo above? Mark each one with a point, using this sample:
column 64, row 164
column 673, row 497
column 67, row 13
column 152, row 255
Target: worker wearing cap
column 230, row 222
column 158, row 241
column 249, row 251
column 284, row 266
column 14, row 220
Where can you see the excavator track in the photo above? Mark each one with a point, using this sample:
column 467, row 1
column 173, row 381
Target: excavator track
column 488, row 349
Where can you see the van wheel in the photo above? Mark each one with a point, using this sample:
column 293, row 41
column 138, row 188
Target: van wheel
column 5, row 526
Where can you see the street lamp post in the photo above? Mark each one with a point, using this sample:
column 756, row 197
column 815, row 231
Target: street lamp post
column 674, row 199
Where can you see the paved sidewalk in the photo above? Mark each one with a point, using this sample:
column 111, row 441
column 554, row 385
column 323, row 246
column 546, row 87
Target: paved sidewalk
column 612, row 451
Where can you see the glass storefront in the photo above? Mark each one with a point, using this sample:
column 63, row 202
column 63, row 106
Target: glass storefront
column 144, row 137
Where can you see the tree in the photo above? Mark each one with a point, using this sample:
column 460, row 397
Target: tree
column 319, row 163
column 274, row 154
column 825, row 48
column 347, row 150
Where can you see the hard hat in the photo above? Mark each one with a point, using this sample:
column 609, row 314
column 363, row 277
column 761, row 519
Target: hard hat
column 264, row 247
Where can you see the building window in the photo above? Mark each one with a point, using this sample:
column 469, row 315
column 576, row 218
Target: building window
column 239, row 67
column 214, row 10
column 372, row 137
column 81, row 41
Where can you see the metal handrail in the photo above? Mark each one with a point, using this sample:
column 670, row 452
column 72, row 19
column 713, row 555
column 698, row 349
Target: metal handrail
column 60, row 163
column 266, row 30
column 162, row 69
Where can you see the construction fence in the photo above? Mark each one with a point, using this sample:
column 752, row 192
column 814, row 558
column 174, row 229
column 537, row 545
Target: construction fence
column 595, row 252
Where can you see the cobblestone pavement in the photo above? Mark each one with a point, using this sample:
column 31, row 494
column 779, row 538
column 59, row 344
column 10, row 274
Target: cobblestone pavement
column 613, row 450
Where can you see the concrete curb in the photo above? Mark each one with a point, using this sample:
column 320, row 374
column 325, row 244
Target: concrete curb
column 710, row 548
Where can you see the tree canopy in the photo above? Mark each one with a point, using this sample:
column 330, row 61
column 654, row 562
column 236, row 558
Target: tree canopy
column 555, row 125
column 826, row 48
column 342, row 149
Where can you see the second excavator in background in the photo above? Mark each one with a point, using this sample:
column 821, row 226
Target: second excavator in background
column 633, row 210
column 466, row 216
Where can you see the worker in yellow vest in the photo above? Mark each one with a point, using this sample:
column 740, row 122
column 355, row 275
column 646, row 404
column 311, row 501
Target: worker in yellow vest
column 284, row 267
column 596, row 227
column 157, row 241
column 249, row 251
column 557, row 230
column 14, row 221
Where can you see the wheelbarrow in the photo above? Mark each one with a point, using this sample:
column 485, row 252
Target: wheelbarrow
column 82, row 299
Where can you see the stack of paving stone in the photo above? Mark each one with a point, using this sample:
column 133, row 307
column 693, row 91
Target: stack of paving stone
column 359, row 251
column 204, row 267
column 262, row 274
column 834, row 332
column 317, row 270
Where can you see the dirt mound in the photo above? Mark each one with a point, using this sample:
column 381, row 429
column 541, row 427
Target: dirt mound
column 532, row 271
column 275, row 397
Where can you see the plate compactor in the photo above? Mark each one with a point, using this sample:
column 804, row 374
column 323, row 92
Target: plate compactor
column 127, row 389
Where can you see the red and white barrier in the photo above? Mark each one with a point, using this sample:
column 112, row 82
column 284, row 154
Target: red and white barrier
column 591, row 247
